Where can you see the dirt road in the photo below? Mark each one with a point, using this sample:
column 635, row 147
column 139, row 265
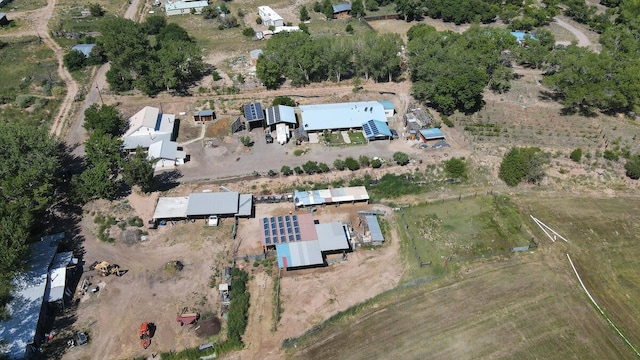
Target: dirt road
column 38, row 26
column 583, row 40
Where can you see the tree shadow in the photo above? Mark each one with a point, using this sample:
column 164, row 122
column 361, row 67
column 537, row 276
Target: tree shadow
column 549, row 96
column 166, row 180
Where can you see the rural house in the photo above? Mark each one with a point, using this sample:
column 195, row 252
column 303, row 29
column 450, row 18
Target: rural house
column 340, row 116
column 148, row 126
column 85, row 49
column 184, row 7
column 166, row 154
column 342, row 11
column 270, row 17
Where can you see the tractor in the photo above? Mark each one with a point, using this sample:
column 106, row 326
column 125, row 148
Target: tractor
column 145, row 334
column 106, row 269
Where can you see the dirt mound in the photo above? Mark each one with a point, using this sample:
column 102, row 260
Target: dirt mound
column 208, row 327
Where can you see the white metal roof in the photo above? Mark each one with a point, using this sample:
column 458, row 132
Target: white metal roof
column 213, row 203
column 245, row 206
column 58, row 276
column 24, row 308
column 332, row 236
column 171, row 208
column 349, row 115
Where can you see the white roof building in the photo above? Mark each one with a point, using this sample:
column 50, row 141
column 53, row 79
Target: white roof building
column 270, row 17
column 148, row 126
column 167, row 155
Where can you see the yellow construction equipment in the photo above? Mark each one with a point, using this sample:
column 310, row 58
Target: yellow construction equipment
column 106, row 269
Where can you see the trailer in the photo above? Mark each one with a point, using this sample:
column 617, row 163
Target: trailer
column 188, row 318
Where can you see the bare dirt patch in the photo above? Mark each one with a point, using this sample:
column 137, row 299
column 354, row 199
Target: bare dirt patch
column 208, row 327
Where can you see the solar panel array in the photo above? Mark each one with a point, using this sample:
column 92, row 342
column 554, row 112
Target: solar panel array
column 281, row 229
column 253, row 112
column 370, row 129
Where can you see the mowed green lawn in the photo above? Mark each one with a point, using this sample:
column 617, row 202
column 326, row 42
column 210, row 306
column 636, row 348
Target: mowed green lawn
column 524, row 306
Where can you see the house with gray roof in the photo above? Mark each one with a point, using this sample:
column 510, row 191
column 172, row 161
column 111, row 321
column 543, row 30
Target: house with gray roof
column 166, row 155
column 149, row 126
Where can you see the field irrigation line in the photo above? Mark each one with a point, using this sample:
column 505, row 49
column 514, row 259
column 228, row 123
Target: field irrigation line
column 555, row 233
column 600, row 310
column 545, row 231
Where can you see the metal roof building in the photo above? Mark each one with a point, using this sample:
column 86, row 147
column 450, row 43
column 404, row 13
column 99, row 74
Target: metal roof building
column 148, row 126
column 288, row 228
column 330, row 196
column 431, row 134
column 333, row 236
column 341, row 8
column 376, row 129
column 350, row 115
column 245, row 206
column 171, row 208
column 374, row 228
column 213, row 203
column 21, row 334
column 184, row 7
column 58, row 276
column 304, row 253
column 280, row 114
column 85, row 49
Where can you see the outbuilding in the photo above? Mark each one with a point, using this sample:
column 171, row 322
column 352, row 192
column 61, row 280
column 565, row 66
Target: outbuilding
column 389, row 108
column 270, row 17
column 3, row 19
column 184, row 7
column 342, row 11
column 431, row 134
column 340, row 116
column 254, row 115
column 85, row 49
column 204, row 115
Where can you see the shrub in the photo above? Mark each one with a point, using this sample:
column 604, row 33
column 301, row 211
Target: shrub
column 272, row 173
column 246, row 141
column 351, row 164
column 74, row 60
column 376, row 163
column 24, row 101
column 349, row 29
column 283, row 100
column 248, row 32
column 522, row 164
column 632, row 167
column 298, row 152
column 310, row 167
column 96, row 10
column 285, row 170
column 339, row 164
column 259, row 20
column 324, row 168
column 610, row 155
column 447, row 121
column 456, row 168
column 401, row 158
column 298, row 170
column 364, row 161
column 576, row 155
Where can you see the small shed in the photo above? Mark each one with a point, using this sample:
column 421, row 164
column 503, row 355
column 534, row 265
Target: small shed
column 342, row 11
column 431, row 134
column 254, row 114
column 280, row 114
column 374, row 230
column 85, row 49
column 3, row 19
column 204, row 115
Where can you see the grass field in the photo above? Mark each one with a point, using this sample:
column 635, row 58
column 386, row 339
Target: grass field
column 23, row 5
column 525, row 306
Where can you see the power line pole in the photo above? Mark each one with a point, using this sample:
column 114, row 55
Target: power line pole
column 100, row 94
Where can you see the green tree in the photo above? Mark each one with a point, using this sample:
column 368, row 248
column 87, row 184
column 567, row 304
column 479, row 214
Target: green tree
column 376, row 163
column 401, row 158
column 95, row 182
column 210, row 12
column 339, row 164
column 632, row 167
column 327, row 9
column 304, row 14
column 576, row 155
column 283, row 100
column 351, row 163
column 310, row 167
column 522, row 164
column 323, row 168
column 371, row 5
column 139, row 171
column 456, row 168
column 298, row 170
column 154, row 24
column 103, row 148
column 105, row 119
column 246, row 141
column 269, row 73
column 285, row 170
column 357, row 9
column 349, row 29
column 74, row 60
column 96, row 10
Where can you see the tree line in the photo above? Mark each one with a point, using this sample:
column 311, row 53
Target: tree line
column 29, row 179
column 298, row 57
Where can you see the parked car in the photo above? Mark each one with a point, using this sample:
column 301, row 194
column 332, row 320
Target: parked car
column 394, row 134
